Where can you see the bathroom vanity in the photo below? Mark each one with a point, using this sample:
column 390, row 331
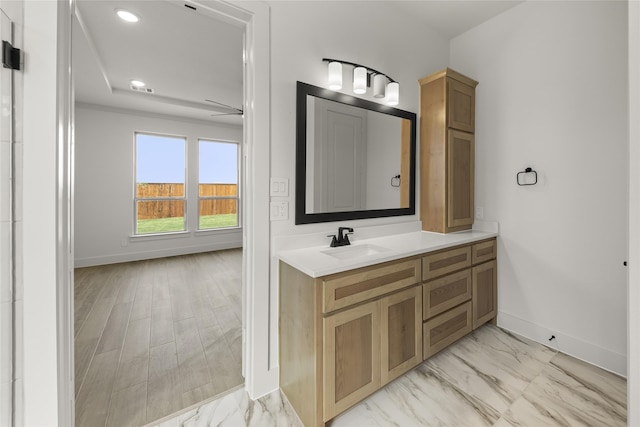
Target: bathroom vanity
column 353, row 319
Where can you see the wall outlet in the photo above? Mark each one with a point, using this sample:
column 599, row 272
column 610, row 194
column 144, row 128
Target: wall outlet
column 479, row 212
column 279, row 187
column 279, row 211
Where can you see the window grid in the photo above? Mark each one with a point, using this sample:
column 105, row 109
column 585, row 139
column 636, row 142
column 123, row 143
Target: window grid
column 235, row 198
column 164, row 202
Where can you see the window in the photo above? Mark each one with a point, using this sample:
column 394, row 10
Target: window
column 218, row 195
column 160, row 197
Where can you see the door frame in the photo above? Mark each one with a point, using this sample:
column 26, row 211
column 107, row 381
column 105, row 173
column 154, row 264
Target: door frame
column 254, row 15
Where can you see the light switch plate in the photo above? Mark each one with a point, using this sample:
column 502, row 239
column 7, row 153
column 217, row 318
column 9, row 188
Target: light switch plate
column 279, row 211
column 279, row 187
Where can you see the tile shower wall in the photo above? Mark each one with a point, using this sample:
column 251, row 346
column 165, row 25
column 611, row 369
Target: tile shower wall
column 10, row 162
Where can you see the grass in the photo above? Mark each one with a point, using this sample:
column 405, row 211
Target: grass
column 167, row 225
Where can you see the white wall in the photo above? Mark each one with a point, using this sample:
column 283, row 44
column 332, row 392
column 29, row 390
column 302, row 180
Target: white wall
column 633, row 334
column 369, row 33
column 553, row 96
column 37, row 238
column 104, row 187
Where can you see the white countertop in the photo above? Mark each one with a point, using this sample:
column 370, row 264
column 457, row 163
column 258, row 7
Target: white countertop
column 316, row 261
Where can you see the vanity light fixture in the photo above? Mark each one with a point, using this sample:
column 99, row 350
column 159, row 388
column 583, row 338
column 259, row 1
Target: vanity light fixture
column 335, row 75
column 360, row 80
column 125, row 15
column 379, row 82
column 393, row 93
column 383, row 85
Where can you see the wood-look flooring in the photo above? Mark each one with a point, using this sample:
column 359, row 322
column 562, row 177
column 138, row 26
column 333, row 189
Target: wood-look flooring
column 153, row 337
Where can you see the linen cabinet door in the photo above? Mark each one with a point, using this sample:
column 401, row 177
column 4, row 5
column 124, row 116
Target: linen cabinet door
column 351, row 357
column 400, row 333
column 460, row 179
column 485, row 290
column 462, row 106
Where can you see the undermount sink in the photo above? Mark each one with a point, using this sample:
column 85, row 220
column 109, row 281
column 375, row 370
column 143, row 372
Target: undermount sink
column 355, row 251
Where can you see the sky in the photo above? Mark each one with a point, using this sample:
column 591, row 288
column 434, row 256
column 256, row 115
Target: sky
column 161, row 159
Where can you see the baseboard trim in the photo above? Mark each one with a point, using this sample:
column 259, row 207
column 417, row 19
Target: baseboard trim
column 575, row 347
column 156, row 253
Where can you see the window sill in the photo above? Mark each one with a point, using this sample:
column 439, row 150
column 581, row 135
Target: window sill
column 159, row 236
column 228, row 230
column 183, row 234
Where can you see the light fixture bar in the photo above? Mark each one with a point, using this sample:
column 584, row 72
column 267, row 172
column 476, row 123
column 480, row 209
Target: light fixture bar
column 370, row 71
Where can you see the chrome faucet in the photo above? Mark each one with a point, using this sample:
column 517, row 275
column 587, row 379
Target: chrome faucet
column 342, row 239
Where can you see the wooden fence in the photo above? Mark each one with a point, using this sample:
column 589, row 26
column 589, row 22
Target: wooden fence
column 155, row 209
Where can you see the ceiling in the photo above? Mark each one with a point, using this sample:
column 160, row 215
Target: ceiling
column 454, row 17
column 193, row 61
column 186, row 57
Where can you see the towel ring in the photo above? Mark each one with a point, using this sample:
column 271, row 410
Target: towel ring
column 527, row 170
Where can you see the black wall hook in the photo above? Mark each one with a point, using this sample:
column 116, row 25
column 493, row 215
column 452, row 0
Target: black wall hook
column 527, row 170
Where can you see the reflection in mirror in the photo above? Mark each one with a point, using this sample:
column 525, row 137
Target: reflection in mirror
column 355, row 158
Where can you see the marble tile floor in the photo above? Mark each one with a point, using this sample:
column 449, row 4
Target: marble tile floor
column 155, row 336
column 489, row 378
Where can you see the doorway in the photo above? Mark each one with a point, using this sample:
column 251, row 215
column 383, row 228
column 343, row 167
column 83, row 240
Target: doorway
column 126, row 283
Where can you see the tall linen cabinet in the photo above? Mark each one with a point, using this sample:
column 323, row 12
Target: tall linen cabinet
column 447, row 151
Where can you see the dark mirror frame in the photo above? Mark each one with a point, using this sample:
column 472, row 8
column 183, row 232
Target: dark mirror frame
column 302, row 217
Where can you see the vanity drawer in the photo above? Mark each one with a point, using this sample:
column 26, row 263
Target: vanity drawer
column 345, row 289
column 445, row 262
column 483, row 251
column 445, row 329
column 444, row 293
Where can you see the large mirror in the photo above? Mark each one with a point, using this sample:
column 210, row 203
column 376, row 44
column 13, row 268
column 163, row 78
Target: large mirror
column 355, row 158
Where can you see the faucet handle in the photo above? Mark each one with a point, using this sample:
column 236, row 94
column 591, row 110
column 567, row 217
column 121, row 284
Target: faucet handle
column 334, row 242
column 345, row 239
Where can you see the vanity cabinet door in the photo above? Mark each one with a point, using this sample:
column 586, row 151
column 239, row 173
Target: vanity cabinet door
column 444, row 262
column 485, row 290
column 351, row 357
column 401, row 333
column 446, row 292
column 345, row 289
column 483, row 251
column 445, row 329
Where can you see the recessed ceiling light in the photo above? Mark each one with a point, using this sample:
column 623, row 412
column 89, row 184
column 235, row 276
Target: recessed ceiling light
column 125, row 15
column 137, row 83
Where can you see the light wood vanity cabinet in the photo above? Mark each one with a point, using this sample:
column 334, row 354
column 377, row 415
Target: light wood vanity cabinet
column 351, row 357
column 447, row 151
column 367, row 345
column 400, row 333
column 346, row 335
column 485, row 301
column 459, row 293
